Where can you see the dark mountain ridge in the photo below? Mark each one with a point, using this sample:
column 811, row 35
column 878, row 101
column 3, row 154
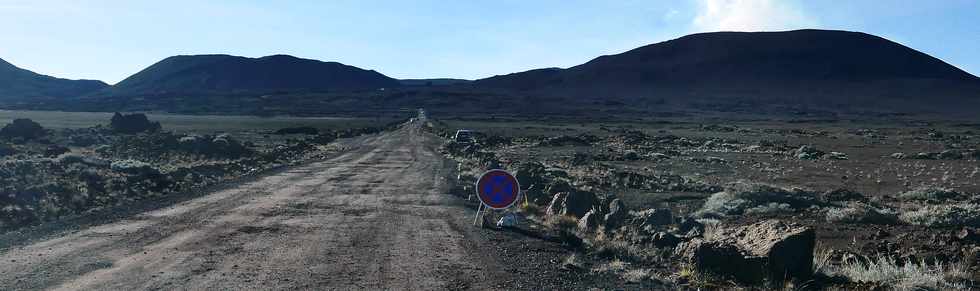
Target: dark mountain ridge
column 21, row 84
column 802, row 66
column 222, row 74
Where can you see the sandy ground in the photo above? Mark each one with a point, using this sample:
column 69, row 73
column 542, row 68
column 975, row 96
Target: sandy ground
column 376, row 217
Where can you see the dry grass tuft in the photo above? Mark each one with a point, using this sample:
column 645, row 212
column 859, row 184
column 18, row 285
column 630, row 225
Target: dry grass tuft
column 908, row 275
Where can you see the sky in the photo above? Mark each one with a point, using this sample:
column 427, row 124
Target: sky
column 109, row 40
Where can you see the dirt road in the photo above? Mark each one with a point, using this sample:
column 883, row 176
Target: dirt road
column 376, row 217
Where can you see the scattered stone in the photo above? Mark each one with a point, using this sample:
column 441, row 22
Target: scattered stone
column 508, row 220
column 23, row 128
column 133, row 123
column 837, row 156
column 968, row 235
column 925, row 156
column 898, row 156
column 950, row 155
column 807, row 152
column 689, row 227
column 879, row 235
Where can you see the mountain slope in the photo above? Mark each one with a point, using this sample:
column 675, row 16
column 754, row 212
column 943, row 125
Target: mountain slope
column 202, row 74
column 806, row 65
column 21, row 84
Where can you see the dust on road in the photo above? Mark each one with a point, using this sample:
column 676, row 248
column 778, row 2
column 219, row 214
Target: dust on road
column 376, row 217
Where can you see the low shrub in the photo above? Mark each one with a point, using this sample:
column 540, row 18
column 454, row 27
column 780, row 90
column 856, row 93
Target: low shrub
column 740, row 197
column 929, row 193
column 908, row 275
column 952, row 215
column 858, row 212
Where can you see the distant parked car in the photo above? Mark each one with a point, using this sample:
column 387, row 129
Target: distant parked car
column 464, row 136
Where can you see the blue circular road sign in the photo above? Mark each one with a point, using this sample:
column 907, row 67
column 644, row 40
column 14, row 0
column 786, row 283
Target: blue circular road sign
column 498, row 189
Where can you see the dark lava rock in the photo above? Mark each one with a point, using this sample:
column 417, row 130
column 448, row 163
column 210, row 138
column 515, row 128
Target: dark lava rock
column 665, row 240
column 616, row 215
column 529, row 174
column 842, row 194
column 808, row 153
column 55, row 150
column 574, row 203
column 720, row 258
column 134, row 167
column 133, row 123
column 298, row 130
column 652, row 217
column 23, row 128
column 968, row 235
column 950, row 155
column 7, row 150
column 786, row 249
column 690, row 227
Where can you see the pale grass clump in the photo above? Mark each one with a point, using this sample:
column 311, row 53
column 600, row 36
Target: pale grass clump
column 887, row 271
column 857, row 212
column 954, row 215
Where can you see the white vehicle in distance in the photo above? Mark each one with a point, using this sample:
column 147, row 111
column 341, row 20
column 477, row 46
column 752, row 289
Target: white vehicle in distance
column 464, row 136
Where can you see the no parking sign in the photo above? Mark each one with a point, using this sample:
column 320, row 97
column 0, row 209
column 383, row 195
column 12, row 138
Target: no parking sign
column 497, row 189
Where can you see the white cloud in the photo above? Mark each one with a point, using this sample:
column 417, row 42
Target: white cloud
column 750, row 15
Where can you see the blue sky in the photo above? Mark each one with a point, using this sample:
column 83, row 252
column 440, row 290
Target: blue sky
column 110, row 40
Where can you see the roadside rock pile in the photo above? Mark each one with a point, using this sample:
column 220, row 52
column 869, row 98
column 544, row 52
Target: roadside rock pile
column 133, row 123
column 565, row 140
column 808, row 153
column 22, row 128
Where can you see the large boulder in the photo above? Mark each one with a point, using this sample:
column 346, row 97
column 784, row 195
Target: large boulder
column 23, row 128
column 652, row 217
column 786, row 250
column 133, row 123
column 574, row 203
column 720, row 258
column 768, row 251
column 665, row 239
column 530, row 174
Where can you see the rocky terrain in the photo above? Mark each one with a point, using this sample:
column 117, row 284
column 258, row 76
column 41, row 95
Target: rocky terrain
column 766, row 204
column 50, row 174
